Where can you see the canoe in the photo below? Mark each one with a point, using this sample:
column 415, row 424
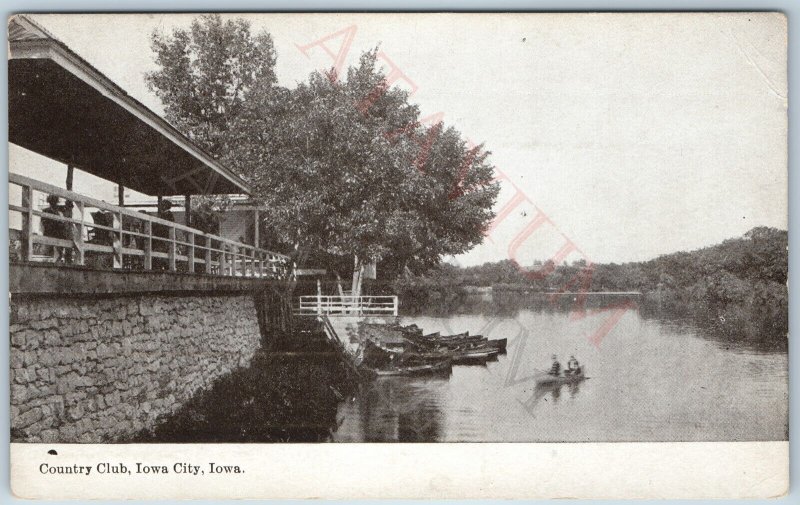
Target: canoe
column 458, row 357
column 477, row 356
column 426, row 369
column 460, row 337
column 463, row 338
column 462, row 347
column 457, row 336
column 453, row 345
column 545, row 379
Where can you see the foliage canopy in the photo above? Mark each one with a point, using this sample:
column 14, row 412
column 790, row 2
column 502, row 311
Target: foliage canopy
column 342, row 166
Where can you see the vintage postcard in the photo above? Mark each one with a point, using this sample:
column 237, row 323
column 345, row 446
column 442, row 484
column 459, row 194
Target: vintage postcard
column 398, row 255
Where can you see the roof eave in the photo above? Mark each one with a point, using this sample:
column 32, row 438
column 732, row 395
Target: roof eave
column 59, row 53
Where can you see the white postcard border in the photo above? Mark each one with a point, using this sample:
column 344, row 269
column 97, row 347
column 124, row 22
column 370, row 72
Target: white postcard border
column 694, row 470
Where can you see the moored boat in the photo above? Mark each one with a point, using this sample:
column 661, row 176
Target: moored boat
column 457, row 336
column 499, row 344
column 479, row 356
column 442, row 366
column 459, row 357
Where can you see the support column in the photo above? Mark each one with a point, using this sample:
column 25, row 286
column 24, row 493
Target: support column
column 77, row 229
column 70, row 172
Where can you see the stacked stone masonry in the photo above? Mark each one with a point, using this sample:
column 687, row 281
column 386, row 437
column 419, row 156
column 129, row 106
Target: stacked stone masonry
column 101, row 369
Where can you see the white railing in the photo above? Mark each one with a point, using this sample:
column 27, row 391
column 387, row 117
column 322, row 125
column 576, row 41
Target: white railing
column 347, row 306
column 120, row 238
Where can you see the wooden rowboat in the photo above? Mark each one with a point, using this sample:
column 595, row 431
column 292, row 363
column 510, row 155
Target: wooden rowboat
column 457, row 336
column 546, row 379
column 426, row 369
column 476, row 356
column 459, row 357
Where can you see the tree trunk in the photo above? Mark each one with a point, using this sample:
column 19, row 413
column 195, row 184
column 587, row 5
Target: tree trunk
column 339, row 284
column 358, row 275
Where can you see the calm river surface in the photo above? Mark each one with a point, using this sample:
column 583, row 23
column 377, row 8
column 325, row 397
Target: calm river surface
column 649, row 380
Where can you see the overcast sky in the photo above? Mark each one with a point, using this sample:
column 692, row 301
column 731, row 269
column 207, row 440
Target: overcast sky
column 635, row 135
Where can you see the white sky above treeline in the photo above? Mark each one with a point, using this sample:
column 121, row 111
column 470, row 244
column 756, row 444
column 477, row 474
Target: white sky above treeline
column 634, row 134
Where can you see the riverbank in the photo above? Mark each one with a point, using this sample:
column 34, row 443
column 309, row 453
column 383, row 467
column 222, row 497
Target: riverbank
column 737, row 288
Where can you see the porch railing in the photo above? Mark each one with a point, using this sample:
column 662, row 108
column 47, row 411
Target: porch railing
column 347, row 305
column 120, row 238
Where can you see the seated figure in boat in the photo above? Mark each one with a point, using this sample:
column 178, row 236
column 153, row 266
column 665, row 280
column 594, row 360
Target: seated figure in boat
column 555, row 369
column 573, row 367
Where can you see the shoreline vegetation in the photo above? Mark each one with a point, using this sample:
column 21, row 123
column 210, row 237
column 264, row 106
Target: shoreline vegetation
column 736, row 291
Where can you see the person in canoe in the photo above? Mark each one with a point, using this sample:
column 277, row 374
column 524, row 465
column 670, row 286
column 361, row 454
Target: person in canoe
column 573, row 367
column 555, row 369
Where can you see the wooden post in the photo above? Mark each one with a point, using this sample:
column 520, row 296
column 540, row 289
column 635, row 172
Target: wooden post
column 117, row 239
column 256, row 229
column 190, row 251
column 27, row 223
column 77, row 241
column 77, row 236
column 187, row 205
column 319, row 297
column 208, row 255
column 223, row 266
column 70, row 172
column 121, row 203
column 172, row 250
column 148, row 245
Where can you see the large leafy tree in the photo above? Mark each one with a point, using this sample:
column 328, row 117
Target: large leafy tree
column 454, row 199
column 206, row 73
column 337, row 176
column 343, row 165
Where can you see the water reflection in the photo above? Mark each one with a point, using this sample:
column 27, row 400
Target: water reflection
column 551, row 392
column 396, row 409
column 731, row 326
column 278, row 398
column 656, row 376
column 653, row 377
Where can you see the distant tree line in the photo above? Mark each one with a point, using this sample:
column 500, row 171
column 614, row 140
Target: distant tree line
column 741, row 282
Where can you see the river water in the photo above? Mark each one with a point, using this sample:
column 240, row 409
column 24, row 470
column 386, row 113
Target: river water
column 650, row 379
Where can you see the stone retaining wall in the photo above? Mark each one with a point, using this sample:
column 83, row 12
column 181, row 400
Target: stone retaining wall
column 89, row 369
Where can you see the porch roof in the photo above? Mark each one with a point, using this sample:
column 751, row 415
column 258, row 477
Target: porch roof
column 65, row 109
